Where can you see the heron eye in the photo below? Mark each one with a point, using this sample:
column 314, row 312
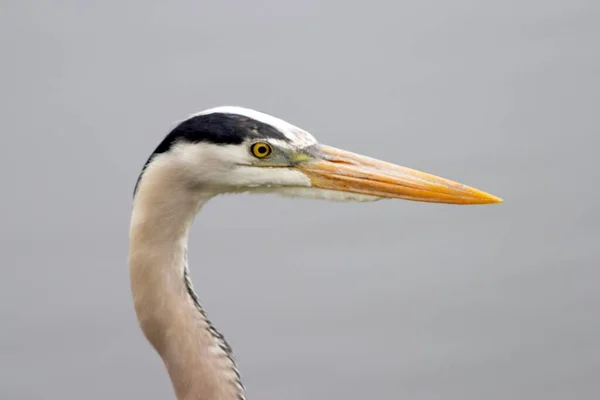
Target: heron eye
column 260, row 150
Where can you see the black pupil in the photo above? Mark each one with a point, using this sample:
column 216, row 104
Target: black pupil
column 262, row 149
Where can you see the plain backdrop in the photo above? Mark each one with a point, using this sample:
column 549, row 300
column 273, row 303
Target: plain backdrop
column 389, row 300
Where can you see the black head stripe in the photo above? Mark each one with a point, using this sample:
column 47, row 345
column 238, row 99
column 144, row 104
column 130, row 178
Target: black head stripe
column 223, row 128
column 216, row 128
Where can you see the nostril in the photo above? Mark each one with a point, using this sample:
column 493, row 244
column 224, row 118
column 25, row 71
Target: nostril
column 341, row 161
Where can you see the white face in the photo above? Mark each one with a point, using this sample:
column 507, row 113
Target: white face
column 233, row 169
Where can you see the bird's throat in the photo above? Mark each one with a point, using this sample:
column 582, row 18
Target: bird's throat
column 197, row 357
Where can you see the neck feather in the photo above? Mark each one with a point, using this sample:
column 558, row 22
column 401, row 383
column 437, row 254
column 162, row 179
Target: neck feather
column 198, row 359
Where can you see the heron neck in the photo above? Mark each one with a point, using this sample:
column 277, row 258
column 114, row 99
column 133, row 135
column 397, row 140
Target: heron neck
column 195, row 354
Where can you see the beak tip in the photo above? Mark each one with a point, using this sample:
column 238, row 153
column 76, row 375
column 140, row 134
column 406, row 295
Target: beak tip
column 491, row 199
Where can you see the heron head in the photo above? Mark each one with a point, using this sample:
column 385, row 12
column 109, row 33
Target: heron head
column 233, row 149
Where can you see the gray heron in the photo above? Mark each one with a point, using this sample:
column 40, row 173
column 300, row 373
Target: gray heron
column 234, row 150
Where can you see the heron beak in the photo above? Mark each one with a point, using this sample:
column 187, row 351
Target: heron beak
column 335, row 169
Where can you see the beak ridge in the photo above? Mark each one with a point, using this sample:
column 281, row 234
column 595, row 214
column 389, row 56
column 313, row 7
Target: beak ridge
column 341, row 170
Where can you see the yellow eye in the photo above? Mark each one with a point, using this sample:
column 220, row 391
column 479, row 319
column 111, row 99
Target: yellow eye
column 260, row 150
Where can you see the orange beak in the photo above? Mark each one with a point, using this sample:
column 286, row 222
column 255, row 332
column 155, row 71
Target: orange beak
column 341, row 170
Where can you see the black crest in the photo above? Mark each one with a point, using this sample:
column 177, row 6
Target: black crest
column 216, row 128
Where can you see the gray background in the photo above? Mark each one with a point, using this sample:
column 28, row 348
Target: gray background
column 390, row 300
